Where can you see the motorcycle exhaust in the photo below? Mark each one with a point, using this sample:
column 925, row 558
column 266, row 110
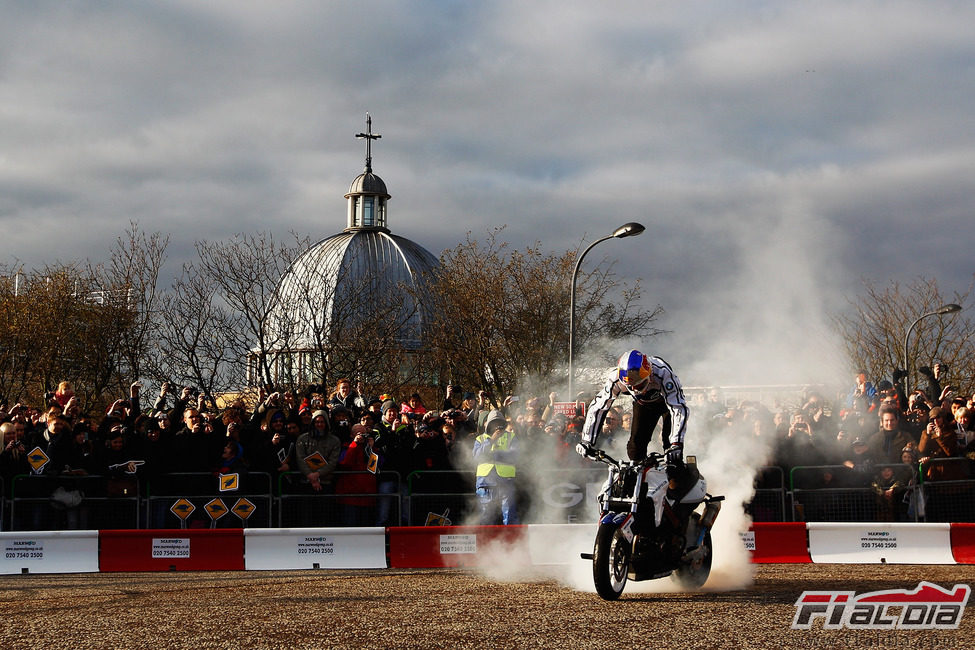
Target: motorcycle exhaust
column 711, row 511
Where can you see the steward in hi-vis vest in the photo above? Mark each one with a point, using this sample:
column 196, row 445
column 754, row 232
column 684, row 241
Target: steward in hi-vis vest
column 495, row 452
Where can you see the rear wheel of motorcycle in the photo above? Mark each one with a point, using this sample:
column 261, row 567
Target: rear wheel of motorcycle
column 610, row 561
column 693, row 573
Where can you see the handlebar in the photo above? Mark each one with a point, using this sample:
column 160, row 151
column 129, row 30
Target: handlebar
column 598, row 455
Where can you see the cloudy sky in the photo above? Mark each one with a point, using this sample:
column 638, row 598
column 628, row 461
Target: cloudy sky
column 777, row 152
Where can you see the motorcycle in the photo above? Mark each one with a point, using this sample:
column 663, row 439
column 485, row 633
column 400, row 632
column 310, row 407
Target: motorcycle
column 651, row 527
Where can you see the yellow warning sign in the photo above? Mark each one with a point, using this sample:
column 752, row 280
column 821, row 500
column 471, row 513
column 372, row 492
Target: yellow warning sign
column 315, row 461
column 216, row 509
column 433, row 519
column 37, row 459
column 229, row 482
column 243, row 508
column 182, row 509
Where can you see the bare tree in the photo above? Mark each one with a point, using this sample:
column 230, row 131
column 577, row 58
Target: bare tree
column 874, row 331
column 129, row 288
column 198, row 339
column 245, row 271
column 501, row 315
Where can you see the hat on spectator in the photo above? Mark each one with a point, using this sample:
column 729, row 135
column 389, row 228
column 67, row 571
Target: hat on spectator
column 320, row 413
column 495, row 417
column 937, row 412
column 337, row 409
column 388, row 404
column 884, row 385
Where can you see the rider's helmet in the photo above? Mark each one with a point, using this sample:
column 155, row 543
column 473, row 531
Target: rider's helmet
column 634, row 370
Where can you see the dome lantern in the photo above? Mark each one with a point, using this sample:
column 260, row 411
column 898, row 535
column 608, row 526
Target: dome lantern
column 367, row 194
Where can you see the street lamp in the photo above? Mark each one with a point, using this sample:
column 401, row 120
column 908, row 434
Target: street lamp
column 950, row 308
column 626, row 230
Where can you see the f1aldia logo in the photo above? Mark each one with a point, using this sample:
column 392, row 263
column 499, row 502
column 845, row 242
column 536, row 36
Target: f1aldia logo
column 926, row 607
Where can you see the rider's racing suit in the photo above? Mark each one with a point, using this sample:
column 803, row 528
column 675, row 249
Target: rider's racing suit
column 662, row 397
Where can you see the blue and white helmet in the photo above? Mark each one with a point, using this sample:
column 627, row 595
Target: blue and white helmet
column 634, row 370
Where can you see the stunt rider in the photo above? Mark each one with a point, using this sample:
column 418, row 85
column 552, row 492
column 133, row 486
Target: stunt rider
column 657, row 395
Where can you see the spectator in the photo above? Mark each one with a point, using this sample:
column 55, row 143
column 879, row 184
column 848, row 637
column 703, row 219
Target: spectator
column 344, row 396
column 321, row 441
column 232, row 458
column 341, row 422
column 799, row 448
column 413, row 405
column 194, row 447
column 394, row 445
column 861, row 462
column 496, row 451
column 938, row 443
column 890, row 485
column 886, row 444
column 355, row 457
column 13, row 457
column 863, row 396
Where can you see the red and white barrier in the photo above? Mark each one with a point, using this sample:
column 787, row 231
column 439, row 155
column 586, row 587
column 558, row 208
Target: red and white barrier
column 448, row 546
column 778, row 543
column 191, row 549
column 430, row 547
column 880, row 543
column 314, row 548
column 68, row 551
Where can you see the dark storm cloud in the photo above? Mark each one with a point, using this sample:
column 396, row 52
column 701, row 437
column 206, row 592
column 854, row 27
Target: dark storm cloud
column 777, row 152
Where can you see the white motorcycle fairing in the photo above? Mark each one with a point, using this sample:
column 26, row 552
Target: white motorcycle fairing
column 657, row 484
column 697, row 493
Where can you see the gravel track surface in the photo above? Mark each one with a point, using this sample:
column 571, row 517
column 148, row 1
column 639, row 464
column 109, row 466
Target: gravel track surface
column 440, row 608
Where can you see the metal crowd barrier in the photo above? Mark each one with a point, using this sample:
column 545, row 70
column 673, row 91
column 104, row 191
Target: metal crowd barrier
column 199, row 489
column 299, row 506
column 769, row 501
column 68, row 502
column 948, row 490
column 943, row 492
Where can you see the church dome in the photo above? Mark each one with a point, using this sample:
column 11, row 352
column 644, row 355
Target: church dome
column 355, row 274
column 347, row 273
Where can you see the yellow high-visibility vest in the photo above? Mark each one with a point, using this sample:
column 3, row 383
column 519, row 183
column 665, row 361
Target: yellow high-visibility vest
column 501, row 444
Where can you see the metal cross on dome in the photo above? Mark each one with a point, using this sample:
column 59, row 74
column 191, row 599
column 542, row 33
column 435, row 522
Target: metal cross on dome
column 369, row 137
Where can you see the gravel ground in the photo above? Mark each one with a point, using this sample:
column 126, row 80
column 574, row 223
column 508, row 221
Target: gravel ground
column 439, row 608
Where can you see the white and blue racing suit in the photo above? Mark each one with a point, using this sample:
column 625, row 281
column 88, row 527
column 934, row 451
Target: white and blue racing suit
column 662, row 397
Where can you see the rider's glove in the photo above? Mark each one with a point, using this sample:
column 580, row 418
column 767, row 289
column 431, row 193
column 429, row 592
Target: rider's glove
column 584, row 449
column 675, row 454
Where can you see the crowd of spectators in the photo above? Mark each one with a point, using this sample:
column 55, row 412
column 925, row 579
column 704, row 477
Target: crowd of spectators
column 323, row 441
column 875, row 436
column 337, row 440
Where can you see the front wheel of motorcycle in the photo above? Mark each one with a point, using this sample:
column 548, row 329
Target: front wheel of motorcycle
column 695, row 566
column 610, row 561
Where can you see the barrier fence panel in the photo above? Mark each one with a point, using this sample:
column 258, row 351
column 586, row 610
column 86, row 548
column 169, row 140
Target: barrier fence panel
column 336, row 510
column 43, row 502
column 768, row 503
column 949, row 501
column 251, row 496
column 842, row 504
column 299, row 506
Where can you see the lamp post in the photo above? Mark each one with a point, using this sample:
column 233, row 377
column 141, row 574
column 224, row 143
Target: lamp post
column 626, row 230
column 940, row 311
